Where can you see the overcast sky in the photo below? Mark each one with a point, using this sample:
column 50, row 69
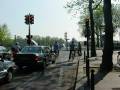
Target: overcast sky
column 51, row 18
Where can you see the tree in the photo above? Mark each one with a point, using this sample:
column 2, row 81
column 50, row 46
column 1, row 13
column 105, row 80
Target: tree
column 98, row 19
column 5, row 37
column 93, row 48
column 78, row 5
column 116, row 16
column 107, row 63
column 22, row 41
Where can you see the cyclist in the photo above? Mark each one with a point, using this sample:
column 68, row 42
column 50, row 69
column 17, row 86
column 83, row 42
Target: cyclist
column 15, row 49
column 56, row 48
column 79, row 49
column 72, row 48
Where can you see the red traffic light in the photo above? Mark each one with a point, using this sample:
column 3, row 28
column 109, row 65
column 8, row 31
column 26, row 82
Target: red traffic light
column 31, row 19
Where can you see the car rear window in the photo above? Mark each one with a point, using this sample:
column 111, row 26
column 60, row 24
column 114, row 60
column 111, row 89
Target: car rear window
column 31, row 50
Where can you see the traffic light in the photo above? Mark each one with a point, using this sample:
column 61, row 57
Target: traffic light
column 31, row 19
column 27, row 19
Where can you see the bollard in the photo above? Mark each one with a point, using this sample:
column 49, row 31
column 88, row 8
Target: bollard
column 92, row 80
column 84, row 57
column 87, row 71
column 76, row 76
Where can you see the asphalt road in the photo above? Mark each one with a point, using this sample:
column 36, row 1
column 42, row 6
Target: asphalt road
column 58, row 76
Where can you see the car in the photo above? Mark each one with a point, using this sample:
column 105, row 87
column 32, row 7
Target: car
column 50, row 55
column 3, row 50
column 7, row 68
column 31, row 56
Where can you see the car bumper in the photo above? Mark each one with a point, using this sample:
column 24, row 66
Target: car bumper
column 3, row 74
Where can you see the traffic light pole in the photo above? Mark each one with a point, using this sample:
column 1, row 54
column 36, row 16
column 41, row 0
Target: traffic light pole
column 29, row 33
column 29, row 19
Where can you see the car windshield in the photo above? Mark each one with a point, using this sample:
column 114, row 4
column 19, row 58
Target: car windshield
column 31, row 50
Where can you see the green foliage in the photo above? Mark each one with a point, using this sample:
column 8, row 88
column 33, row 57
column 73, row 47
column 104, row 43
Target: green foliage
column 98, row 18
column 47, row 40
column 81, row 6
column 116, row 16
column 5, row 37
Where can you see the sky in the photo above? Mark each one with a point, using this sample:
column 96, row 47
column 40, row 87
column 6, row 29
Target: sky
column 51, row 18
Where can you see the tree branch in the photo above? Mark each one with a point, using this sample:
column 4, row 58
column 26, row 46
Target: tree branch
column 97, row 5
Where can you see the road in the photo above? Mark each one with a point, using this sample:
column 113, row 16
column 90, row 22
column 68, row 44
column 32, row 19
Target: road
column 58, row 76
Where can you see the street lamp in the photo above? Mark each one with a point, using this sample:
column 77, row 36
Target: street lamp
column 87, row 34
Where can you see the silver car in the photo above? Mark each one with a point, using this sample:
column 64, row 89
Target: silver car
column 6, row 65
column 7, row 68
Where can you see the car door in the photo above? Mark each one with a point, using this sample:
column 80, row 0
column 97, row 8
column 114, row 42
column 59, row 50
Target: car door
column 1, row 69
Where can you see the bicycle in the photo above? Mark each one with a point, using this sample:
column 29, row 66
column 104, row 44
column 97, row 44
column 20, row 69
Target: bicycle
column 72, row 55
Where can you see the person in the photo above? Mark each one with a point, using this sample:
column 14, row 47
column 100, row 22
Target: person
column 15, row 49
column 72, row 48
column 79, row 49
column 56, row 48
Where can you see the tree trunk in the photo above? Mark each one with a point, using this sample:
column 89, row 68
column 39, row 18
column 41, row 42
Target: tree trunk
column 107, row 63
column 93, row 49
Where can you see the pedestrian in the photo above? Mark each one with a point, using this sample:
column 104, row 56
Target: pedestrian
column 79, row 49
column 56, row 48
column 72, row 48
column 15, row 49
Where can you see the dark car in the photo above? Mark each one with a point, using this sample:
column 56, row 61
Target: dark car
column 31, row 56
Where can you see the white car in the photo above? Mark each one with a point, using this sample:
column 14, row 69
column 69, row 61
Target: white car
column 6, row 65
column 7, row 68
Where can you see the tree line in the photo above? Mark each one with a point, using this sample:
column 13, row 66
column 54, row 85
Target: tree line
column 7, row 40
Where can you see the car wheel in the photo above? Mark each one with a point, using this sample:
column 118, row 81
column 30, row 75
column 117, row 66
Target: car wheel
column 9, row 76
column 20, row 67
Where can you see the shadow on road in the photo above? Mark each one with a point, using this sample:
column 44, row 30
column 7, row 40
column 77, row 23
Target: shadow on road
column 20, row 74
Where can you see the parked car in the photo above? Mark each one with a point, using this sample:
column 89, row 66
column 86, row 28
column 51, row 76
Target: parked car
column 7, row 68
column 31, row 56
column 2, row 50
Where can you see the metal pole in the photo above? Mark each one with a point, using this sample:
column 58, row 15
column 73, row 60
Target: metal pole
column 29, row 33
column 92, row 80
column 66, row 44
column 84, row 57
column 87, row 71
column 15, row 38
column 76, row 75
column 87, row 46
column 88, row 34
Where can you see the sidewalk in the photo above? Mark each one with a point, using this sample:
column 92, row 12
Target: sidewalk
column 108, row 81
column 111, row 81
